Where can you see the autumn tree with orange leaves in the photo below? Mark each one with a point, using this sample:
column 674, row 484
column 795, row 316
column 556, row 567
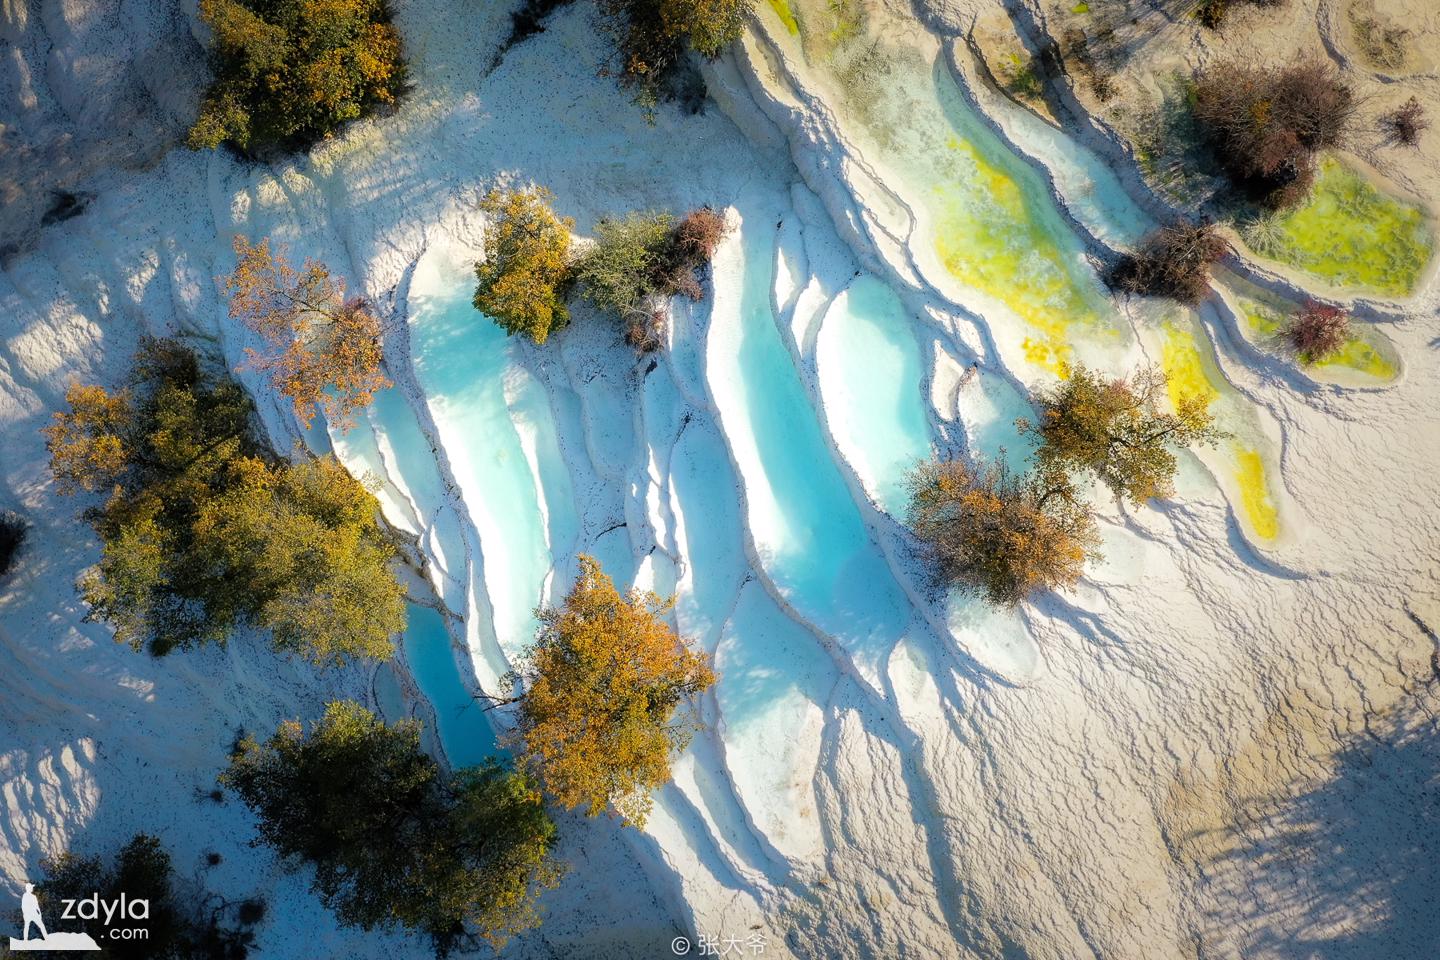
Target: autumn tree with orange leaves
column 288, row 73
column 323, row 350
column 1000, row 534
column 603, row 685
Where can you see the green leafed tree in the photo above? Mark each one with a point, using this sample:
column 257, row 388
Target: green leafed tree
column 202, row 531
column 620, row 272
column 1121, row 430
column 393, row 839
column 642, row 259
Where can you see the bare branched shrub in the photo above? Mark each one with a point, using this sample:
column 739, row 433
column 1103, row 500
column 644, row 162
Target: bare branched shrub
column 1174, row 261
column 999, row 534
column 1319, row 331
column 697, row 236
column 1384, row 46
column 692, row 244
column 1095, row 56
column 1406, row 122
column 1266, row 125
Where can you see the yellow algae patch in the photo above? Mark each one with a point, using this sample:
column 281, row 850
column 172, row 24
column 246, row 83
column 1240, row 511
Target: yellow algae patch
column 987, row 237
column 1185, row 375
column 1255, row 492
column 1359, row 355
column 1263, row 322
column 1349, row 233
column 787, row 17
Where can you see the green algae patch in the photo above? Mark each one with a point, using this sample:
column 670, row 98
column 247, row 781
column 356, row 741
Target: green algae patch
column 786, row 15
column 1350, row 234
column 1190, row 373
column 1080, row 8
column 1266, row 325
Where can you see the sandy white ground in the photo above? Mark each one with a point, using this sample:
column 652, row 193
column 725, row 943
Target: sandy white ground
column 1206, row 751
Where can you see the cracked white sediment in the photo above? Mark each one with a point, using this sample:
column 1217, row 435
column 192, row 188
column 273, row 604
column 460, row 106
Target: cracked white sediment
column 885, row 773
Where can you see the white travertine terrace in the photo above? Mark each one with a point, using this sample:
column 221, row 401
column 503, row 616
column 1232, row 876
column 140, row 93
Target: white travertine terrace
column 1221, row 745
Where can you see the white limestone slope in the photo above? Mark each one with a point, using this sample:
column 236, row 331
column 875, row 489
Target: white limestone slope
column 1211, row 748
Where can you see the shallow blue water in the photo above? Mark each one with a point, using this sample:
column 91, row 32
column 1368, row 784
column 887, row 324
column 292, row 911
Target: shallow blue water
column 871, row 378
column 810, row 534
column 464, row 730
column 464, row 363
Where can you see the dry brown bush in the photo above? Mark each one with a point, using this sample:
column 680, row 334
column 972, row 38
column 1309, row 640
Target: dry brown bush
column 1406, row 122
column 1174, row 261
column 999, row 534
column 1266, row 125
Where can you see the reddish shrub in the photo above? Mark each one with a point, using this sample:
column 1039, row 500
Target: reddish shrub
column 697, row 236
column 692, row 243
column 1406, row 122
column 1318, row 331
column 1174, row 261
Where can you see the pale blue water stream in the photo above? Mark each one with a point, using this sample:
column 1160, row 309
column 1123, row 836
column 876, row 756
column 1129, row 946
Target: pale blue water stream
column 464, row 731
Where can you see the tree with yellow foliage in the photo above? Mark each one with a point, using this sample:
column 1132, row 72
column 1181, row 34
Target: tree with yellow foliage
column 597, row 720
column 527, row 268
column 323, row 350
column 202, row 531
column 1119, row 430
column 997, row 534
column 288, row 72
column 87, row 450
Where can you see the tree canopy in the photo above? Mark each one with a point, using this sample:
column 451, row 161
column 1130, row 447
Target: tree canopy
column 322, row 350
column 620, row 273
column 392, row 838
column 652, row 36
column 641, row 259
column 526, row 273
column 603, row 685
column 998, row 534
column 1118, row 430
column 1267, row 123
column 288, row 72
column 202, row 531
